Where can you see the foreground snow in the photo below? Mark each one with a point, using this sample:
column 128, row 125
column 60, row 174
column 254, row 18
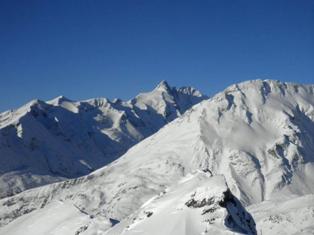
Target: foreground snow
column 259, row 135
column 199, row 205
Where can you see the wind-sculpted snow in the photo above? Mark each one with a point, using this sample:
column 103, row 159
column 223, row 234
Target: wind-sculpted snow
column 259, row 135
column 45, row 142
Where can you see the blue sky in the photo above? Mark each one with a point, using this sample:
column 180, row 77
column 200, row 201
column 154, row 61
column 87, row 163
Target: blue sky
column 98, row 48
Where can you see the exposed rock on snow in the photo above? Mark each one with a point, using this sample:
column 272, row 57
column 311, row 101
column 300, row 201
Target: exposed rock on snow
column 200, row 205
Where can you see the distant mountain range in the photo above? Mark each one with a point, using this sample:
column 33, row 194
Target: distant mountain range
column 44, row 142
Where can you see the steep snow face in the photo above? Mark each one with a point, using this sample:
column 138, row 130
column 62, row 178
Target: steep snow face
column 258, row 134
column 45, row 142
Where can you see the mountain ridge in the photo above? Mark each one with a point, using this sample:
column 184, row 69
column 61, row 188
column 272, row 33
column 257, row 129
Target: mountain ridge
column 43, row 142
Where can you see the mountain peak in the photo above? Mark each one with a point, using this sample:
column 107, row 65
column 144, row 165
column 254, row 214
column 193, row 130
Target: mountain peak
column 58, row 100
column 163, row 85
column 31, row 104
column 62, row 98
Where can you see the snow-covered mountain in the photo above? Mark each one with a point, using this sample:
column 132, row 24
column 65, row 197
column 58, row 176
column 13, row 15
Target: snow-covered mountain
column 241, row 162
column 44, row 142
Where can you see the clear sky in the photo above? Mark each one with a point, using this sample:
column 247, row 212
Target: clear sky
column 99, row 48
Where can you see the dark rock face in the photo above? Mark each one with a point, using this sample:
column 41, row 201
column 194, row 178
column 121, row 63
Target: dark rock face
column 238, row 218
column 228, row 197
column 197, row 204
column 114, row 221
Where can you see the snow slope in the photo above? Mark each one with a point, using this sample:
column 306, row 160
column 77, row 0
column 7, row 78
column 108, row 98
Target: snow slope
column 290, row 216
column 45, row 142
column 57, row 218
column 197, row 205
column 258, row 134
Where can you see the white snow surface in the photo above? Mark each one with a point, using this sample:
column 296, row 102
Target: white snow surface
column 44, row 142
column 289, row 216
column 258, row 134
column 55, row 219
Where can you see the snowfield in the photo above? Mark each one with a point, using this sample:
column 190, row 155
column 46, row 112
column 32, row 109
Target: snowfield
column 289, row 216
column 57, row 218
column 241, row 162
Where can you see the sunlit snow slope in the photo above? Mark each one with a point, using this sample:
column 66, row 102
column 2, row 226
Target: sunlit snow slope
column 258, row 135
column 44, row 142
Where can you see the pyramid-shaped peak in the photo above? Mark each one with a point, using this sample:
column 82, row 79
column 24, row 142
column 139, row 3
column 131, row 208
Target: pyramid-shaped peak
column 59, row 100
column 62, row 98
column 33, row 103
column 163, row 85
